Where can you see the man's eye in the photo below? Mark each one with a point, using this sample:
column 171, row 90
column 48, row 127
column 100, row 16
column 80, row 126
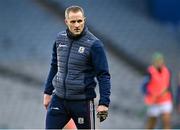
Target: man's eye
column 79, row 21
column 73, row 21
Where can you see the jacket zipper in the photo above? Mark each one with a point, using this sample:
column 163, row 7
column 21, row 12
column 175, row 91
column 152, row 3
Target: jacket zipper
column 67, row 62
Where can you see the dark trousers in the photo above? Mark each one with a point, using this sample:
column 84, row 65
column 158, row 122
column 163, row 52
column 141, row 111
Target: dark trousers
column 60, row 111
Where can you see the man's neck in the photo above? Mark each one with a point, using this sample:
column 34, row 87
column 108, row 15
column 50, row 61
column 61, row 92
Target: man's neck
column 75, row 37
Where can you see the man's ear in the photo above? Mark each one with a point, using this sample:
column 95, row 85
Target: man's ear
column 84, row 19
column 65, row 20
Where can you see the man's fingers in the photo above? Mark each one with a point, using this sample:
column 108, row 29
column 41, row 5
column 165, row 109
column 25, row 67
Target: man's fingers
column 46, row 101
column 46, row 106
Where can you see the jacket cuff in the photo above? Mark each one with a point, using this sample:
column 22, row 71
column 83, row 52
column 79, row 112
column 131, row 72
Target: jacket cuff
column 46, row 92
column 105, row 104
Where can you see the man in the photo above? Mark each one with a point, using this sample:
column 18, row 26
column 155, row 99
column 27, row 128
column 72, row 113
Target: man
column 157, row 93
column 78, row 57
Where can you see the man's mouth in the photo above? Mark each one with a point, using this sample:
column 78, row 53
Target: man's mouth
column 77, row 30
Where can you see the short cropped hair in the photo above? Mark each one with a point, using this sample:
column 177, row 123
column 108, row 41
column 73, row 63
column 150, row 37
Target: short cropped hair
column 74, row 9
column 157, row 56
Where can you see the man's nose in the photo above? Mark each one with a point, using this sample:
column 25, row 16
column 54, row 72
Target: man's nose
column 76, row 24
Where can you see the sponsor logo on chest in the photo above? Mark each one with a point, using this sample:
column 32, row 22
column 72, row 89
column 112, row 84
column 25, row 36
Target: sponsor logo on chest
column 62, row 45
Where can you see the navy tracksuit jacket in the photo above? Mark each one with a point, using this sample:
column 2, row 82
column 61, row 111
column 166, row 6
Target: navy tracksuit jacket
column 76, row 61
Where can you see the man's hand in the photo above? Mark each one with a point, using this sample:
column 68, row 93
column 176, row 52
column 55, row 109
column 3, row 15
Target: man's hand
column 46, row 101
column 102, row 112
column 155, row 98
column 164, row 91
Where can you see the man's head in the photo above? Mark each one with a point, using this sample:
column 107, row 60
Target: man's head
column 74, row 19
column 158, row 60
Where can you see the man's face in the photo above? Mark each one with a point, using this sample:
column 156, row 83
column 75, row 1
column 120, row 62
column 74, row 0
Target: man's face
column 158, row 63
column 75, row 22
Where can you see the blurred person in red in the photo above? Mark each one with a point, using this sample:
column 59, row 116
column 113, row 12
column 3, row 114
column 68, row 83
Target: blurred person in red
column 157, row 92
column 70, row 125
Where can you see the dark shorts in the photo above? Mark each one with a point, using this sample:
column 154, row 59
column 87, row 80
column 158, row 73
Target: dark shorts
column 60, row 111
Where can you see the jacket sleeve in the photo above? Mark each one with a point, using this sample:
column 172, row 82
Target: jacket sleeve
column 144, row 84
column 100, row 65
column 53, row 70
